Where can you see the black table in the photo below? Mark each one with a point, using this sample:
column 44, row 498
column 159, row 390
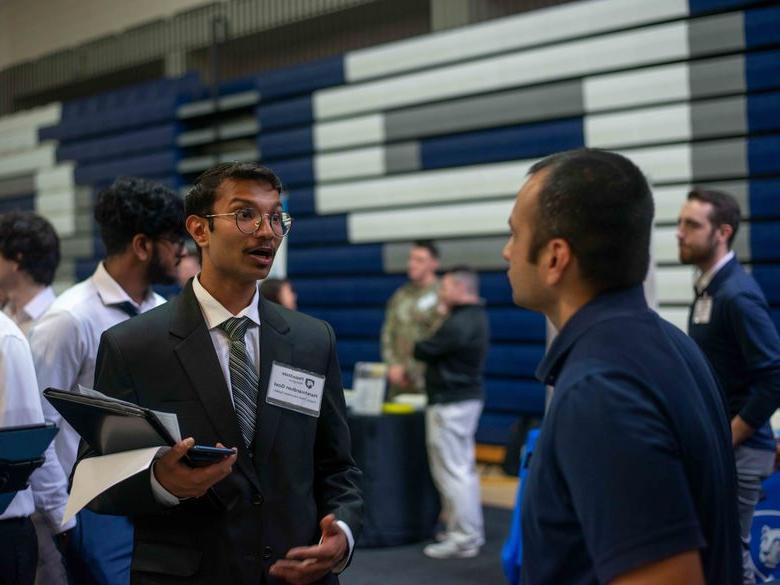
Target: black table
column 401, row 502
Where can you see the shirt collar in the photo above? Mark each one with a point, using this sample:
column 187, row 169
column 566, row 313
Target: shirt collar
column 215, row 313
column 705, row 278
column 112, row 293
column 38, row 304
column 605, row 306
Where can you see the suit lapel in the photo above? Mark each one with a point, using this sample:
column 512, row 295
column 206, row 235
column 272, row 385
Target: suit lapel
column 196, row 353
column 275, row 345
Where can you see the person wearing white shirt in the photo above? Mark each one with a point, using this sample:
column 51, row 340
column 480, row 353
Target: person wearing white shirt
column 20, row 404
column 141, row 227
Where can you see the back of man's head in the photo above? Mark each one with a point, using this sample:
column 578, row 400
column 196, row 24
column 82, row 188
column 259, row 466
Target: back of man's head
column 601, row 204
column 466, row 277
column 725, row 209
column 136, row 206
column 30, row 240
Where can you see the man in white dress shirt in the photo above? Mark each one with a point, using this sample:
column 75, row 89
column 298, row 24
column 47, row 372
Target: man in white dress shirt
column 29, row 256
column 20, row 404
column 141, row 225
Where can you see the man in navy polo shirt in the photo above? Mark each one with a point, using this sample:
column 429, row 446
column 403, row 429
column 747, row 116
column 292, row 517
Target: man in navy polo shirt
column 730, row 321
column 632, row 479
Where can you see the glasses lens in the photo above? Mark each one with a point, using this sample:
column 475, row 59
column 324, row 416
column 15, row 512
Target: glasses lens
column 281, row 223
column 246, row 220
column 250, row 220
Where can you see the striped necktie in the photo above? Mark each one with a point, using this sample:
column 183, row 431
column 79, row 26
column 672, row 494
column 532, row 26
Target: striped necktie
column 243, row 377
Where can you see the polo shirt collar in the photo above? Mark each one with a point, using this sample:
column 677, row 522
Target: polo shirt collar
column 608, row 305
column 112, row 293
column 215, row 313
column 36, row 307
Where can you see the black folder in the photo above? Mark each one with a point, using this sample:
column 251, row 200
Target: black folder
column 109, row 425
column 22, row 450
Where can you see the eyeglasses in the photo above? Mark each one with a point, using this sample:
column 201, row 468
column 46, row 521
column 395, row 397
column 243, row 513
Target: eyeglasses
column 176, row 241
column 249, row 220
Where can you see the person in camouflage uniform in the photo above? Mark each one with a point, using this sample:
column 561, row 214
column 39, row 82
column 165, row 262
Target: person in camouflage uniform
column 411, row 316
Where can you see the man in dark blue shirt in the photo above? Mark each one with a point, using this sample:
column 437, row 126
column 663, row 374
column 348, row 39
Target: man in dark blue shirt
column 730, row 321
column 632, row 479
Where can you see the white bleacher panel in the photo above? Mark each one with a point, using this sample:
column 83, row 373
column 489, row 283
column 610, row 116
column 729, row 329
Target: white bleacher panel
column 458, row 220
column 54, row 178
column 638, row 127
column 35, row 118
column 363, row 162
column 674, row 284
column 464, row 183
column 52, row 202
column 511, row 33
column 636, row 88
column 18, row 139
column 676, row 316
column 653, row 44
column 663, row 163
column 64, row 223
column 27, row 161
column 665, row 245
column 359, row 131
column 668, row 202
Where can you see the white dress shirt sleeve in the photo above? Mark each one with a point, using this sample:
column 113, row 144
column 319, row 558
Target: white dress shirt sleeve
column 350, row 545
column 162, row 495
column 20, row 404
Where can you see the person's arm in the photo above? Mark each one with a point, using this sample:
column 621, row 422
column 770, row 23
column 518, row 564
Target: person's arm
column 389, row 329
column 759, row 345
column 682, row 569
column 642, row 515
column 445, row 340
column 336, row 481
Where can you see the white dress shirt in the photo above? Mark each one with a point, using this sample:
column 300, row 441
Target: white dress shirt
column 20, row 404
column 25, row 317
column 65, row 341
column 705, row 278
column 214, row 313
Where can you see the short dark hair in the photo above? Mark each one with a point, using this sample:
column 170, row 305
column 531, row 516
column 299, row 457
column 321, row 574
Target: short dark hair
column 601, row 204
column 134, row 206
column 428, row 245
column 270, row 288
column 30, row 240
column 725, row 209
column 200, row 199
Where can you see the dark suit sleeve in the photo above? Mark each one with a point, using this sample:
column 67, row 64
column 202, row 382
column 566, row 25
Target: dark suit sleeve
column 336, row 475
column 760, row 347
column 134, row 495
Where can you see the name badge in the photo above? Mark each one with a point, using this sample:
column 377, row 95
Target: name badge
column 427, row 301
column 702, row 310
column 295, row 389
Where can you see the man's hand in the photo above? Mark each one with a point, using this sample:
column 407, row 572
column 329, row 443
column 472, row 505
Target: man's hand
column 397, row 375
column 184, row 481
column 740, row 431
column 307, row 564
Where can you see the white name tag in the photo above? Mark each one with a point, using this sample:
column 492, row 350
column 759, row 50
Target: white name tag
column 295, row 389
column 702, row 310
column 427, row 301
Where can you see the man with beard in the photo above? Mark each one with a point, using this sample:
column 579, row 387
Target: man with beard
column 141, row 225
column 249, row 374
column 730, row 321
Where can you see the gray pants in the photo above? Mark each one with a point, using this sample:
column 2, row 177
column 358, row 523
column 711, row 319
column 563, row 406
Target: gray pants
column 753, row 467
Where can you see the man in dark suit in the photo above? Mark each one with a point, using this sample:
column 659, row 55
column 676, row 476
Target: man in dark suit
column 242, row 372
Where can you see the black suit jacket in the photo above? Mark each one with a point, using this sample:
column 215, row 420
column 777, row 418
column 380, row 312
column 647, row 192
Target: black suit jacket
column 300, row 470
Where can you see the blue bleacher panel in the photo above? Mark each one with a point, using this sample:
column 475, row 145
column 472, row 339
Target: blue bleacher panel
column 276, row 145
column 514, row 359
column 325, row 229
column 352, row 351
column 762, row 155
column 85, row 267
column 513, row 142
column 764, row 200
column 330, row 261
column 346, row 292
column 513, row 395
column 495, row 289
column 768, row 277
column 761, row 26
column 124, row 144
column 516, row 324
column 762, row 112
column 300, row 202
column 765, row 241
column 151, row 165
column 22, row 202
column 351, row 322
column 295, row 172
column 295, row 112
column 494, row 427
column 300, row 79
column 762, row 70
column 698, row 7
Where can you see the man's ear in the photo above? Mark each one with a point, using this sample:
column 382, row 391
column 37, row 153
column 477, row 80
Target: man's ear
column 556, row 260
column 198, row 229
column 725, row 231
column 142, row 246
